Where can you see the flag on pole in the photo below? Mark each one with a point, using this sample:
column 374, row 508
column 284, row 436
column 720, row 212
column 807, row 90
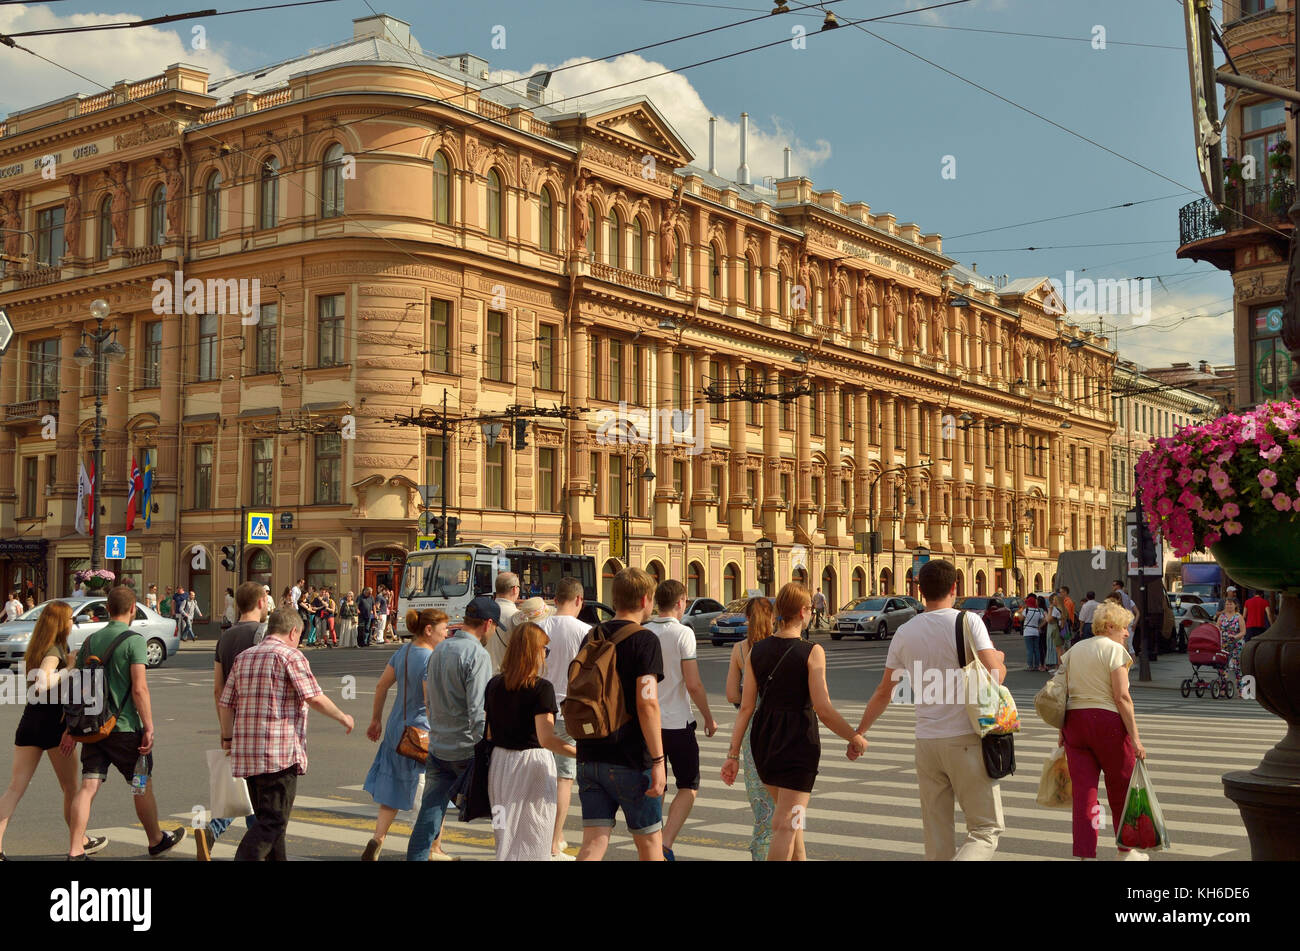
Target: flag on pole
column 146, row 492
column 83, row 490
column 90, row 499
column 134, row 492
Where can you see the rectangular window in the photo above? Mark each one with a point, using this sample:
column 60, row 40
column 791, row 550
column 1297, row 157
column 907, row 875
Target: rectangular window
column 494, row 356
column 440, row 336
column 679, row 381
column 207, row 365
column 785, row 487
column 598, row 387
column 263, row 470
column 614, row 484
column 152, row 356
column 819, row 411
column 1074, row 474
column 51, row 471
column 203, row 476
column 846, row 494
column 751, row 487
column 598, row 497
column 716, row 379
column 330, row 351
column 547, row 499
column 817, row 492
column 29, row 486
column 494, row 489
column 787, row 406
column 49, row 236
column 642, row 377
column 433, row 450
column 265, row 349
column 328, row 469
column 679, row 482
column 615, row 370
column 715, row 482
column 757, row 381
column 846, row 416
column 546, row 369
column 43, row 369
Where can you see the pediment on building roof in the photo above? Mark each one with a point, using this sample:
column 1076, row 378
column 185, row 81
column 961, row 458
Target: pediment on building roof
column 641, row 126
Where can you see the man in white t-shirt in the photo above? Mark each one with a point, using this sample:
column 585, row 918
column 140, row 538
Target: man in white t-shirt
column 13, row 607
column 949, row 758
column 681, row 685
column 566, row 633
column 507, row 591
column 1086, row 611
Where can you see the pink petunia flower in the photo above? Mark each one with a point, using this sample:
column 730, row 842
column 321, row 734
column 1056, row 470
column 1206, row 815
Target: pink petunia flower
column 1232, row 510
column 1232, row 528
column 1267, row 478
column 1282, row 502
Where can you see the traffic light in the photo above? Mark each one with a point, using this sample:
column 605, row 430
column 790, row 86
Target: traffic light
column 453, row 523
column 521, row 434
column 230, row 558
column 435, row 525
column 1146, row 544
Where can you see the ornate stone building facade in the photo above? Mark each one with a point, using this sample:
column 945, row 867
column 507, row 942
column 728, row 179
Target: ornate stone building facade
column 816, row 370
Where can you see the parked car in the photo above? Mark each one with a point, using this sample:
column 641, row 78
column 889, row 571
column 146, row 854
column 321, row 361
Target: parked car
column 595, row 612
column 993, row 611
column 1178, row 599
column 1186, row 618
column 90, row 614
column 875, row 618
column 700, row 614
column 731, row 625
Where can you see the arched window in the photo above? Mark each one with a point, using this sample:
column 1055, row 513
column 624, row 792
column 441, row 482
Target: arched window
column 158, row 214
column 441, row 189
column 268, row 210
column 104, row 245
column 495, row 216
column 614, row 243
column 638, row 247
column 591, row 230
column 886, row 581
column 749, row 284
column 322, row 569
column 546, row 222
column 695, row 580
column 259, row 567
column 980, row 584
column 677, row 258
column 785, row 294
column 731, row 584
column 607, row 574
column 212, row 206
column 656, row 571
column 331, row 196
column 713, row 272
column 859, row 583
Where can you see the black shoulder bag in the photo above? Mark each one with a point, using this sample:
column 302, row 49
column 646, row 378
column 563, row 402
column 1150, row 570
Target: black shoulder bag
column 999, row 748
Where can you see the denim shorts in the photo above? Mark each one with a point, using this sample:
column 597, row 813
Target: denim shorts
column 566, row 767
column 604, row 788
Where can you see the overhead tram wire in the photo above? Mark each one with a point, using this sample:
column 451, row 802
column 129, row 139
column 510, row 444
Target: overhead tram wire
column 155, row 21
column 1073, row 214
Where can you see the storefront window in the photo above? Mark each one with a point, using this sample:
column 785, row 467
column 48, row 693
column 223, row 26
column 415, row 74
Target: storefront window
column 1270, row 364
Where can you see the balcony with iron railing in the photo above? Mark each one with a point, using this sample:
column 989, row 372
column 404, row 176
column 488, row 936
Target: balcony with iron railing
column 29, row 411
column 1252, row 213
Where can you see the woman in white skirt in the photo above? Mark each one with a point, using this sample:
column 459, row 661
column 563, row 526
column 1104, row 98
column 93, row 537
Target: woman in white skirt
column 348, row 621
column 520, row 707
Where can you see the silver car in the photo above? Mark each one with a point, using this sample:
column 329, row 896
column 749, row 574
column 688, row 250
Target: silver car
column 872, row 617
column 90, row 614
column 699, row 614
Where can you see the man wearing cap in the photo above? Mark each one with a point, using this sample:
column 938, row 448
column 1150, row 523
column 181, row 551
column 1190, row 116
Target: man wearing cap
column 458, row 675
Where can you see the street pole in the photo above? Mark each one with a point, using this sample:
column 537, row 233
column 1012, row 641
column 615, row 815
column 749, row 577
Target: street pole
column 445, row 450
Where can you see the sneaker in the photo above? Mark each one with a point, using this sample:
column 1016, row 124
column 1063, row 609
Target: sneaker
column 168, row 840
column 95, row 843
column 83, row 857
column 371, row 854
column 668, row 855
column 1136, row 857
column 203, row 842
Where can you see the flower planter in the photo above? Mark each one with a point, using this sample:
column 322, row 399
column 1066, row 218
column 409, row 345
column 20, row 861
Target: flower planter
column 1267, row 559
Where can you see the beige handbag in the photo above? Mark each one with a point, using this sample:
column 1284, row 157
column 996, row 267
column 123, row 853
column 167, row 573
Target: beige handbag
column 1050, row 702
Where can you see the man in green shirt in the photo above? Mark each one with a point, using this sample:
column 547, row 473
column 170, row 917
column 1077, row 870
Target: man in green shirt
column 132, row 736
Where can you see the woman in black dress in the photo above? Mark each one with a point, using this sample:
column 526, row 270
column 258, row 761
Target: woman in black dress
column 785, row 678
column 41, row 728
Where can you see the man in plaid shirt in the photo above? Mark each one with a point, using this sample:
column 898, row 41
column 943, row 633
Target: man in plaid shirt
column 264, row 729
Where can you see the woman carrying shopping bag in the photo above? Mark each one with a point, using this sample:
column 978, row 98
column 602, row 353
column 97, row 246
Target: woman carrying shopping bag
column 1101, row 733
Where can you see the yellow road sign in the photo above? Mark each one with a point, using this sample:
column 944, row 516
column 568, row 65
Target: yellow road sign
column 616, row 538
column 258, row 529
column 1008, row 557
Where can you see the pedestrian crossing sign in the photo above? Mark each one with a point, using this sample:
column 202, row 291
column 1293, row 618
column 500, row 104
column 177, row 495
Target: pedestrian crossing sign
column 114, row 547
column 426, row 542
column 259, row 528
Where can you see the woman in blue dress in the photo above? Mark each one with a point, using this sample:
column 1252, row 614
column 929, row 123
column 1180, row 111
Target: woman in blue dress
column 393, row 778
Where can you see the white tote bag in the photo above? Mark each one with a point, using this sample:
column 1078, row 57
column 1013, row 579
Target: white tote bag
column 228, row 795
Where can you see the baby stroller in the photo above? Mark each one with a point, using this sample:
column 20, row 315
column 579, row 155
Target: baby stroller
column 1205, row 647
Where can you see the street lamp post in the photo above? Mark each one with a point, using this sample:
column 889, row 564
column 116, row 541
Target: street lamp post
column 871, row 515
column 104, row 347
column 648, row 475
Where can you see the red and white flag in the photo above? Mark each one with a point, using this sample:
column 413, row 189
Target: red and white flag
column 135, row 492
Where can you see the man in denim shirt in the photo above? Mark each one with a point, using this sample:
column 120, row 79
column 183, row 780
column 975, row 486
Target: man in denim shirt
column 459, row 671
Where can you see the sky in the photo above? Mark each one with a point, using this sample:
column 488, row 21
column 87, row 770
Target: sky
column 874, row 112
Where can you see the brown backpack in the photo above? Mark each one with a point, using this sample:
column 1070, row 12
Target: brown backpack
column 593, row 705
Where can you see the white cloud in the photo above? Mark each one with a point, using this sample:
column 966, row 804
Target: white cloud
column 104, row 57
column 1184, row 328
column 675, row 96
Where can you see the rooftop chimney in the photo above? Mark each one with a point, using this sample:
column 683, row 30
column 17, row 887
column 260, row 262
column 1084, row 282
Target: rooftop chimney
column 787, row 161
column 713, row 145
column 742, row 173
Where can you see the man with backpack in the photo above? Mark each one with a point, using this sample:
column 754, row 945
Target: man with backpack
column 459, row 671
column 125, row 719
column 612, row 711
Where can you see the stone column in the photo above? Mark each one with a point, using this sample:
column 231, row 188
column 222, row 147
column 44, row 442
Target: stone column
column 582, row 505
column 8, row 444
column 704, row 506
column 980, row 524
column 167, row 478
column 739, row 521
column 833, row 521
column 932, row 419
column 887, row 461
column 956, row 359
column 913, row 520
column 861, row 458
column 803, row 463
column 773, row 503
column 70, row 375
column 960, row 523
column 1055, row 498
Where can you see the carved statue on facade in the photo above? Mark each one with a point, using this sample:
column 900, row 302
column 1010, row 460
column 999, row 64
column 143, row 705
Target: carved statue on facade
column 937, row 328
column 581, row 211
column 170, row 162
column 668, row 233
column 805, row 281
column 1053, row 366
column 915, row 317
column 120, row 207
column 11, row 202
column 1016, row 344
column 891, row 311
column 72, row 215
column 837, row 295
column 866, row 299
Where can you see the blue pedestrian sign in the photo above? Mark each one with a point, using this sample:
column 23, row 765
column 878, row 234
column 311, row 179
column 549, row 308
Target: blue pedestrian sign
column 425, row 543
column 115, row 547
column 259, row 528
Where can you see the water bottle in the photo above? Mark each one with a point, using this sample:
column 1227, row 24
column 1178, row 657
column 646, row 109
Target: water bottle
column 140, row 776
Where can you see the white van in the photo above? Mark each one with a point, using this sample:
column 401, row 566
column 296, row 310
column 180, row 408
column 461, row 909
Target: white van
column 447, row 579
